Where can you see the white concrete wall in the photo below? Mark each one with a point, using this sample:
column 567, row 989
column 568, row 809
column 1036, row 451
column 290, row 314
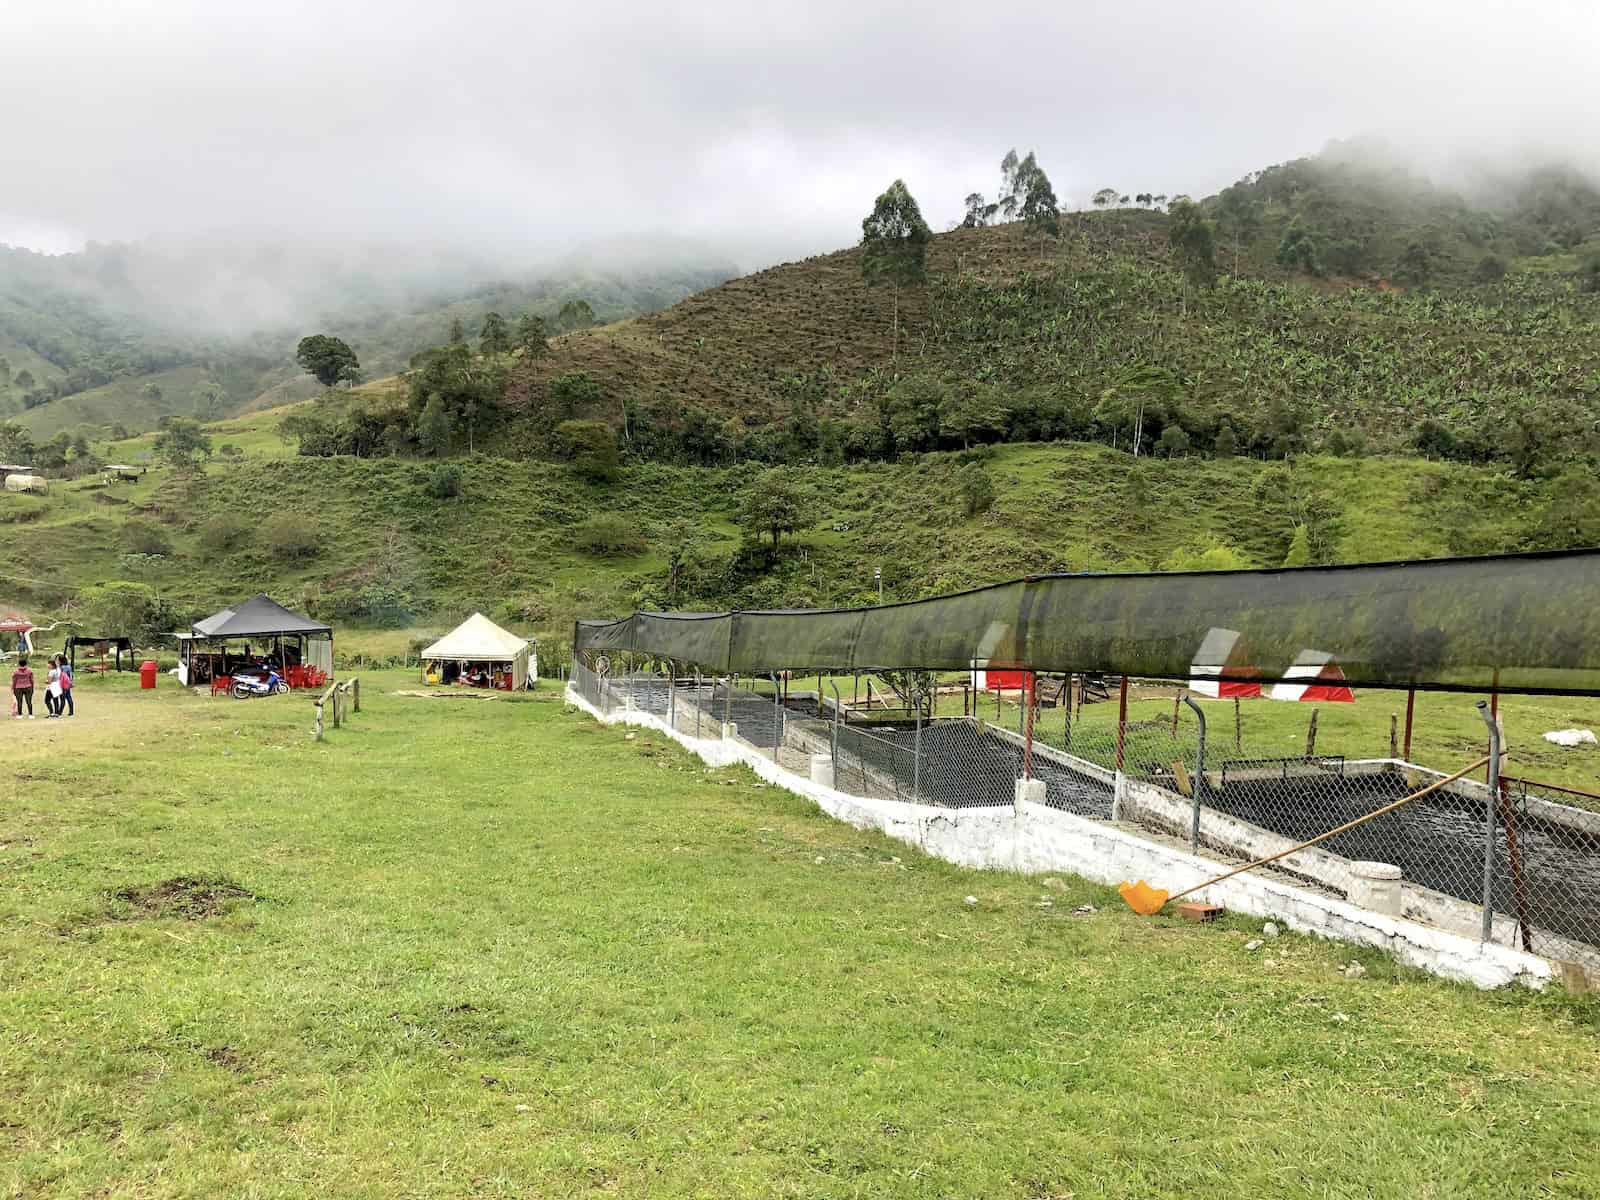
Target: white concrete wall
column 1032, row 838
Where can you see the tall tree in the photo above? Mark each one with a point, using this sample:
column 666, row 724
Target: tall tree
column 1104, row 197
column 1240, row 215
column 1193, row 244
column 575, row 314
column 1038, row 205
column 1008, row 199
column 433, row 428
column 894, row 246
column 16, row 444
column 211, row 393
column 458, row 332
column 532, row 335
column 774, row 503
column 979, row 212
column 328, row 360
column 182, row 443
column 494, row 337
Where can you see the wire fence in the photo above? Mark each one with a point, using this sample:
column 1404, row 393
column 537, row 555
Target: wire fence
column 1517, row 862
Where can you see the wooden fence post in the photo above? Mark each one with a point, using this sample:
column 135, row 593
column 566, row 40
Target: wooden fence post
column 1311, row 735
column 355, row 693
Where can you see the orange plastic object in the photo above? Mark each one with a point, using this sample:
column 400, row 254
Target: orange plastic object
column 1142, row 898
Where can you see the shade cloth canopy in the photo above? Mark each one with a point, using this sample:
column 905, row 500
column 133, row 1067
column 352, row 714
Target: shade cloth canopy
column 259, row 616
column 1520, row 623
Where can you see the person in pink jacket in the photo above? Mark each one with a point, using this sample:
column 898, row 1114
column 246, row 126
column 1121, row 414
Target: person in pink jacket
column 22, row 688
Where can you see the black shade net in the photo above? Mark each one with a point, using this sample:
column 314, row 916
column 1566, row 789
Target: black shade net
column 1519, row 623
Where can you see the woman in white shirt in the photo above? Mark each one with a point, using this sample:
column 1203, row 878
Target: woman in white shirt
column 52, row 694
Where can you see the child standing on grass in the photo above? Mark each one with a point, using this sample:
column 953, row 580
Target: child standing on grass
column 22, row 688
column 66, row 686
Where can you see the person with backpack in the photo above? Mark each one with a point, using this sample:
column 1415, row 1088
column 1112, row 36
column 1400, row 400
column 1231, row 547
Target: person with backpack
column 22, row 688
column 66, row 687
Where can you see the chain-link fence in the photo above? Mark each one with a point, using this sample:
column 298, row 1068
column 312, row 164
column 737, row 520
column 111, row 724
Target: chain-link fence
column 1531, row 850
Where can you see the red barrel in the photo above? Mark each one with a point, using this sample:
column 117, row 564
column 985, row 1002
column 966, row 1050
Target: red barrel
column 147, row 673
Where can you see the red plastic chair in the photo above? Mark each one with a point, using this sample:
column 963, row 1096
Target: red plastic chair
column 222, row 683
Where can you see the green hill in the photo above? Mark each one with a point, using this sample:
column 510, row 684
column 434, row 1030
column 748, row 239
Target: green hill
column 369, row 541
column 92, row 330
column 1095, row 336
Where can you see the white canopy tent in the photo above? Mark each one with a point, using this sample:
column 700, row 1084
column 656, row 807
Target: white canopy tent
column 478, row 643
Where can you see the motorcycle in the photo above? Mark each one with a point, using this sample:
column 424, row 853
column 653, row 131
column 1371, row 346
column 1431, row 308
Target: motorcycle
column 269, row 683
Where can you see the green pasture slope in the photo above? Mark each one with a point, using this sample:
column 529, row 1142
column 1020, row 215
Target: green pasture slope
column 489, row 947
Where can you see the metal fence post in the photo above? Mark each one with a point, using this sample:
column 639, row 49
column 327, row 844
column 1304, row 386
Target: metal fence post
column 1030, row 697
column 833, row 749
column 1122, row 721
column 697, row 702
column 777, row 716
column 916, row 750
column 672, row 694
column 1489, row 807
column 727, row 706
column 1198, row 784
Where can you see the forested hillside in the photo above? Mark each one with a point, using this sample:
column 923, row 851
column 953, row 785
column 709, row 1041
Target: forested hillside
column 1329, row 304
column 85, row 337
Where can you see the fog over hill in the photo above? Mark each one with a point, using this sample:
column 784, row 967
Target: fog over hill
column 766, row 128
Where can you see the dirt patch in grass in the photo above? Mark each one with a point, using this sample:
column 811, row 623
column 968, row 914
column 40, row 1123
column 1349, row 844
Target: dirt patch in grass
column 189, row 897
column 107, row 498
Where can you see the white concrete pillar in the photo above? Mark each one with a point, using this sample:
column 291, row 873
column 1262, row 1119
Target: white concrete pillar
column 1031, row 790
column 730, row 729
column 1376, row 886
column 1119, row 788
column 822, row 769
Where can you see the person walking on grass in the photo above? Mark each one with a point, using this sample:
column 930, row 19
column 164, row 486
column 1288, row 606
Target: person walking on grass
column 52, row 690
column 66, row 686
column 22, row 688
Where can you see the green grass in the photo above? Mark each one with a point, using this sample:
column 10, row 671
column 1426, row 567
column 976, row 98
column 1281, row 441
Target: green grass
column 492, row 948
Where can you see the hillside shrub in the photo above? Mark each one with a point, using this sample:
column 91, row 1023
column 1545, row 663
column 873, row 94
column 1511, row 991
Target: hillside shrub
column 224, row 532
column 976, row 488
column 125, row 609
column 445, row 482
column 291, row 536
column 141, row 537
column 608, row 536
column 591, row 447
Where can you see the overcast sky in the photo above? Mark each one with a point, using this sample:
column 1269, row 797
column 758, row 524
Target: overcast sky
column 764, row 128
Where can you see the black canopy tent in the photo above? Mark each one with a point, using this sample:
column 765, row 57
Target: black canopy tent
column 204, row 653
column 99, row 643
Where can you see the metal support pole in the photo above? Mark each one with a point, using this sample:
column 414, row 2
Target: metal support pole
column 777, row 715
column 672, row 694
column 916, row 752
column 1489, row 819
column 833, row 748
column 1411, row 704
column 1494, row 715
column 1029, row 696
column 727, row 706
column 1198, row 784
column 1122, row 721
column 698, row 702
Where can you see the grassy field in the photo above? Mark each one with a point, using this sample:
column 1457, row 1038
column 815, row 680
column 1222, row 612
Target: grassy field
column 488, row 947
